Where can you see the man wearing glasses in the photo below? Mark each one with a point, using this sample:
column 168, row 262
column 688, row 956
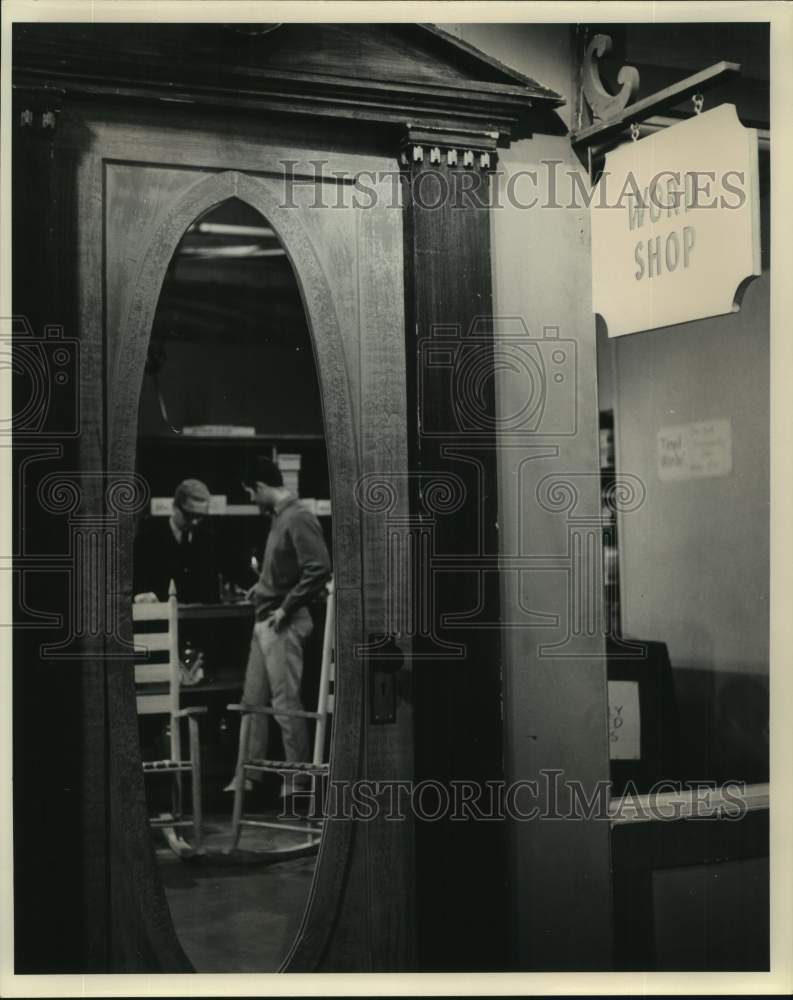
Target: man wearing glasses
column 181, row 549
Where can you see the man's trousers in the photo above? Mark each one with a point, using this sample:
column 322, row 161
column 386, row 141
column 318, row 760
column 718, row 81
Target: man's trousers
column 273, row 677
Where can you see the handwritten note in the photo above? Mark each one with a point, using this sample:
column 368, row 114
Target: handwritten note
column 695, row 451
column 624, row 720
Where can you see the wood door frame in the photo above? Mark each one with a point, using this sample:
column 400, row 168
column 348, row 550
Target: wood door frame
column 124, row 387
column 478, row 104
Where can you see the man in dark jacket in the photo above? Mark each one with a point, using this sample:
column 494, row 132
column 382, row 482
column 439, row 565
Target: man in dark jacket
column 180, row 548
column 295, row 568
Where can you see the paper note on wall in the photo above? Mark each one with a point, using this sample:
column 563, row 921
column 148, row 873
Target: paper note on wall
column 624, row 720
column 695, row 451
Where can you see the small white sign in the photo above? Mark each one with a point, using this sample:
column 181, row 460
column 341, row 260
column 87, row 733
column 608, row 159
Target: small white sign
column 161, row 506
column 695, row 451
column 217, row 503
column 624, row 720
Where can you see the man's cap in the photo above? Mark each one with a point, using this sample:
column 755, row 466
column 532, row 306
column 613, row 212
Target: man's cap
column 191, row 492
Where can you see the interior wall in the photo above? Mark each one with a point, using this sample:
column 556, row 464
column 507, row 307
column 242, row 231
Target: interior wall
column 694, row 556
column 541, row 51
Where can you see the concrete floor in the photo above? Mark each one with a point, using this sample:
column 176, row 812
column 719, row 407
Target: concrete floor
column 237, row 912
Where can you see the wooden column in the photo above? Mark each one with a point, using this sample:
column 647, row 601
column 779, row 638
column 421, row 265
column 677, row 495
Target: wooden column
column 74, row 868
column 452, row 461
column 50, row 884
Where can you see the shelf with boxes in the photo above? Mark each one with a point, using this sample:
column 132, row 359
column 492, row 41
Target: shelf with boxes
column 225, row 463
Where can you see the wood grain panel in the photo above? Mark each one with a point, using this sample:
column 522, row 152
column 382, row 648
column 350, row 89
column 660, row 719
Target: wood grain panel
column 461, row 873
column 388, row 746
column 373, row 73
column 136, row 198
column 301, row 242
column 52, row 901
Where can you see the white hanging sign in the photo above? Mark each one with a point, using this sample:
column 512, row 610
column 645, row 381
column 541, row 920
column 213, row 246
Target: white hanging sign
column 676, row 224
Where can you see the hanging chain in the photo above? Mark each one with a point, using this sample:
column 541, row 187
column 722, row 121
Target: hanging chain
column 634, row 131
column 699, row 103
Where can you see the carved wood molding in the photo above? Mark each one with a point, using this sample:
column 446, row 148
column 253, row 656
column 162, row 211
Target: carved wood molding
column 474, row 151
column 602, row 102
column 265, row 72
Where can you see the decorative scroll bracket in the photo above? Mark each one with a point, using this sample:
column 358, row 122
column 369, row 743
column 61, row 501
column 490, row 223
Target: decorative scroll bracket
column 613, row 113
column 603, row 104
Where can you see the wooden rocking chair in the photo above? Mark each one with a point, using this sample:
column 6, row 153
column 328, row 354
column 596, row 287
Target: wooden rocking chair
column 150, row 677
column 316, row 768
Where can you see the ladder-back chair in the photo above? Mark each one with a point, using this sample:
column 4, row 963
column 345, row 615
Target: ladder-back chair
column 316, row 768
column 158, row 693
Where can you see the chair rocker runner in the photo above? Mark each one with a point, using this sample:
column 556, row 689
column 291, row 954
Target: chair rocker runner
column 315, row 769
column 150, row 678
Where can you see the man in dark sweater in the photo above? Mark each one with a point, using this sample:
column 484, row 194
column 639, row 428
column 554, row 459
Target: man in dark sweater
column 295, row 568
column 180, row 548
